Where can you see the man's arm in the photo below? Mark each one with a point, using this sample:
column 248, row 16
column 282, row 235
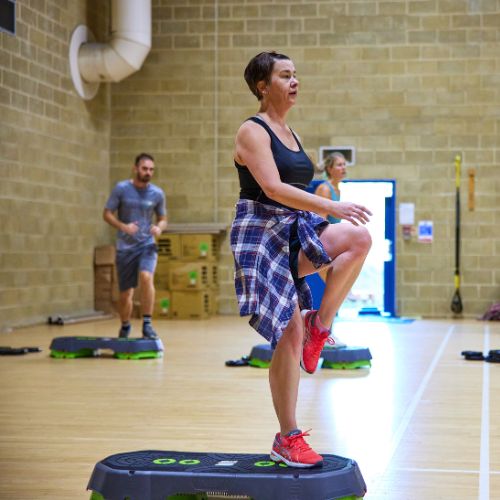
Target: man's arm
column 112, row 220
column 160, row 226
column 161, row 216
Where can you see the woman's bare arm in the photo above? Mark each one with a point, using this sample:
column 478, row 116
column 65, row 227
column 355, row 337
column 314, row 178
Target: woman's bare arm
column 253, row 149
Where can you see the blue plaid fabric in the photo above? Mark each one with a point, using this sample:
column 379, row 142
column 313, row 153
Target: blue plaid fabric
column 265, row 288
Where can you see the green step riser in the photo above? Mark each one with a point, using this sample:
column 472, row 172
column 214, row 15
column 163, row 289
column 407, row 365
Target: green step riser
column 89, row 353
column 197, row 496
column 83, row 353
column 347, row 366
column 335, row 366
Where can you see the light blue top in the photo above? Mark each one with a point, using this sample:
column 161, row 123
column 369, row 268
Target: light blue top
column 136, row 205
column 335, row 197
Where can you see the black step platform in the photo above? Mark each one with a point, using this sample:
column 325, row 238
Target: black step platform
column 9, row 351
column 84, row 347
column 171, row 475
column 339, row 358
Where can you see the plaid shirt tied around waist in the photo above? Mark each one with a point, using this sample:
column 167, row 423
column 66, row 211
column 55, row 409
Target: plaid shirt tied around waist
column 265, row 287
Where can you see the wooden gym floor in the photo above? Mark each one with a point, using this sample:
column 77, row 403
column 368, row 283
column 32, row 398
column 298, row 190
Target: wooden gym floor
column 422, row 423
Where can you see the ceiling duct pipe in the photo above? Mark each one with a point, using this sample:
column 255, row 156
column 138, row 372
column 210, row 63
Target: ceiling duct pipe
column 92, row 63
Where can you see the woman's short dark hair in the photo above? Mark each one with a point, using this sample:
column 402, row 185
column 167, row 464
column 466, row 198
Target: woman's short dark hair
column 259, row 69
column 142, row 156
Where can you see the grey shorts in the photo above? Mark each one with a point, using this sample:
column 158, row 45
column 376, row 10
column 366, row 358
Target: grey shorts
column 130, row 263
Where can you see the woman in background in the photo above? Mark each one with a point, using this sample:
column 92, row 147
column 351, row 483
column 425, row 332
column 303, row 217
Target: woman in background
column 335, row 171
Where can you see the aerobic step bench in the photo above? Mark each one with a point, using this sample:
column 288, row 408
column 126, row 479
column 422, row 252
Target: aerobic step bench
column 85, row 347
column 170, row 475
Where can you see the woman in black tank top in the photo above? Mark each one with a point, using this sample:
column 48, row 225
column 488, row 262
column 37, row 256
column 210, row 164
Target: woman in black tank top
column 277, row 238
column 294, row 167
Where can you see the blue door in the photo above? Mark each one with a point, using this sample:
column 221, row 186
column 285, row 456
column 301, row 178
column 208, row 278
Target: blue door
column 374, row 292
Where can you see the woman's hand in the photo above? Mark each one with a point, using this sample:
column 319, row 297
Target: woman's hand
column 352, row 212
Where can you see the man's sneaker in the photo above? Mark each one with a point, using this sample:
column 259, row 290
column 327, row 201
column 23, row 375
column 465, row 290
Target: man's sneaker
column 315, row 337
column 294, row 451
column 148, row 332
column 124, row 332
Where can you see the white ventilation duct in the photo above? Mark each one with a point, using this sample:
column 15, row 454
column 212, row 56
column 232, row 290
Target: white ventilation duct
column 92, row 63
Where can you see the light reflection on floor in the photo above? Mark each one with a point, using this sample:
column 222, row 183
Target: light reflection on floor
column 361, row 403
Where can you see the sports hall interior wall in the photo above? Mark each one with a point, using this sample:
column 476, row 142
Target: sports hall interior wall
column 54, row 165
column 408, row 83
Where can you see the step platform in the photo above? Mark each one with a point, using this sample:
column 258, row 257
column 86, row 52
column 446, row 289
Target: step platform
column 338, row 358
column 85, row 347
column 171, row 475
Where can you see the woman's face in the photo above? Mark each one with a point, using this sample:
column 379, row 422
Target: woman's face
column 337, row 171
column 283, row 87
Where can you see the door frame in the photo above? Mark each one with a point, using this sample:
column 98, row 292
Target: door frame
column 390, row 235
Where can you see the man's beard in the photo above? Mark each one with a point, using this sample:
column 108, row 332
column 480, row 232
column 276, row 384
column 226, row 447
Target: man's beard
column 143, row 178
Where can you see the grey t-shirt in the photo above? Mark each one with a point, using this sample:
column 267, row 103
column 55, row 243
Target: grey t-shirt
column 136, row 205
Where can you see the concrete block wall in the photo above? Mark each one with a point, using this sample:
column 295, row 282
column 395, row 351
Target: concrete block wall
column 408, row 83
column 54, row 165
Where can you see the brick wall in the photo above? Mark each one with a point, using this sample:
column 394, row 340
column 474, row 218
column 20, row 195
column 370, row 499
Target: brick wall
column 54, row 165
column 408, row 83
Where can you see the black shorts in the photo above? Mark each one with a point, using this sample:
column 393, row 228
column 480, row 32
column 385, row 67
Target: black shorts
column 294, row 246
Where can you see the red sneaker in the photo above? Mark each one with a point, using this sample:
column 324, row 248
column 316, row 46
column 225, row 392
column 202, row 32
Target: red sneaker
column 315, row 337
column 294, row 451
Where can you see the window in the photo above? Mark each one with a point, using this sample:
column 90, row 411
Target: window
column 8, row 16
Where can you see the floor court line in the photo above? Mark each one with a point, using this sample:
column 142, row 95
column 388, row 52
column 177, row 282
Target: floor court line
column 443, row 471
column 398, row 435
column 484, row 460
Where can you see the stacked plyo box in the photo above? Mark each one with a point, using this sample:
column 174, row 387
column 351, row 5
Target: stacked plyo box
column 106, row 291
column 169, row 251
column 186, row 276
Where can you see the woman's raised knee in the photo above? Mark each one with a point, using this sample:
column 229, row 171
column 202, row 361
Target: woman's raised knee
column 362, row 240
column 340, row 238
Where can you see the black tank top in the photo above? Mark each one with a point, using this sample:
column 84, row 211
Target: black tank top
column 294, row 167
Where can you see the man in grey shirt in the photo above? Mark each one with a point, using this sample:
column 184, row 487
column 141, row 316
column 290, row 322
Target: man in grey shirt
column 130, row 209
